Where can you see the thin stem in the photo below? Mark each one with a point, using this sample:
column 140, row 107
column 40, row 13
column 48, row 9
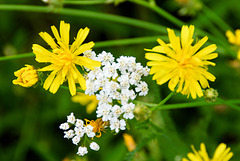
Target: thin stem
column 129, row 41
column 88, row 14
column 84, row 2
column 19, row 56
column 192, row 104
column 230, row 104
column 163, row 101
column 216, row 19
column 159, row 11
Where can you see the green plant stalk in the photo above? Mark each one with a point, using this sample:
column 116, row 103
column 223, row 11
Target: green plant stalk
column 88, row 14
column 196, row 104
column 129, row 41
column 163, row 101
column 83, row 2
column 216, row 19
column 159, row 11
column 229, row 104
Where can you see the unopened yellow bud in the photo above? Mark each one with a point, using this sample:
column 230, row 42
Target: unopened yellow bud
column 26, row 76
column 210, row 95
column 129, row 142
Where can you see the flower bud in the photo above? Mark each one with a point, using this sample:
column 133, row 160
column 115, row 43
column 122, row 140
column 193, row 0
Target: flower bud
column 210, row 95
column 26, row 76
column 141, row 112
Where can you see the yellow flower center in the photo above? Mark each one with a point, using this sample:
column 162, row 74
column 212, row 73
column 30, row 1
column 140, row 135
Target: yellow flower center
column 64, row 58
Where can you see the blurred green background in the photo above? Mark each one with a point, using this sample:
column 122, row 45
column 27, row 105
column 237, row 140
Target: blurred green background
column 30, row 117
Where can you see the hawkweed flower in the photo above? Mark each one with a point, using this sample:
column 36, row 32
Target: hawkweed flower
column 26, row 76
column 129, row 142
column 182, row 64
column 90, row 102
column 64, row 58
column 234, row 39
column 222, row 153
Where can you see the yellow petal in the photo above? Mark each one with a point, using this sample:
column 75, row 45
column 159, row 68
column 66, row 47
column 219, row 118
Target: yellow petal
column 231, row 37
column 174, row 41
column 50, row 41
column 91, row 106
column 158, row 57
column 64, row 32
column 205, row 51
column 56, row 84
column 71, row 84
column 55, row 33
column 198, row 45
column 168, row 51
column 49, row 81
column 81, row 36
column 83, row 48
column 87, row 62
column 42, row 55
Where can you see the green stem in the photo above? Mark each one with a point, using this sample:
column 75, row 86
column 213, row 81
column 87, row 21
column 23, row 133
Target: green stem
column 230, row 104
column 19, row 56
column 83, row 2
column 88, row 14
column 163, row 101
column 67, row 88
column 193, row 104
column 159, row 11
column 129, row 41
column 216, row 19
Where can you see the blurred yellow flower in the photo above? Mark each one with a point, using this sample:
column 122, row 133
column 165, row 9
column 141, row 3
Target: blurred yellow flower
column 64, row 58
column 90, row 102
column 234, row 39
column 26, row 76
column 222, row 153
column 129, row 142
column 184, row 65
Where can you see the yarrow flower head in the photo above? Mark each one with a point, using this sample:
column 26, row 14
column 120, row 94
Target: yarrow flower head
column 75, row 129
column 26, row 76
column 222, row 153
column 234, row 39
column 115, row 84
column 64, row 58
column 182, row 64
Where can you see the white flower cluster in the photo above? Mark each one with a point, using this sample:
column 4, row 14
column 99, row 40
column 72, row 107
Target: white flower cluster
column 78, row 132
column 115, row 84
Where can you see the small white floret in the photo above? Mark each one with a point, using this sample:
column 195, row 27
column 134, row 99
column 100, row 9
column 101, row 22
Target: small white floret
column 94, row 146
column 82, row 151
column 64, row 126
column 71, row 118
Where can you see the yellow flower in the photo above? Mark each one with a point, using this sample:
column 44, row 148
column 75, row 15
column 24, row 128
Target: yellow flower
column 129, row 142
column 184, row 65
column 26, row 76
column 64, row 58
column 98, row 126
column 222, row 153
column 85, row 100
column 234, row 39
